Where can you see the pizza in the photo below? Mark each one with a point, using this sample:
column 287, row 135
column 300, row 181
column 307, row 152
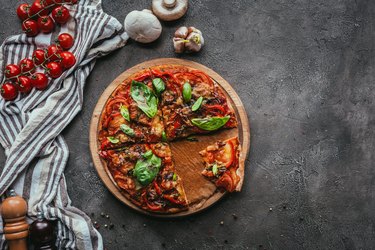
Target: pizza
column 143, row 115
column 146, row 175
column 221, row 164
column 131, row 115
column 193, row 103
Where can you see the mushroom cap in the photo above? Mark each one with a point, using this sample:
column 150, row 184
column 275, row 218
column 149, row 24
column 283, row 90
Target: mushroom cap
column 142, row 26
column 169, row 10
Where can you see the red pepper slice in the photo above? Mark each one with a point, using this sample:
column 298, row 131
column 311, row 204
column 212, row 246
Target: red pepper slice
column 205, row 78
column 152, row 207
column 176, row 125
column 215, row 107
column 162, row 74
column 142, row 77
column 114, row 101
column 109, row 118
column 173, row 200
column 105, row 144
column 157, row 188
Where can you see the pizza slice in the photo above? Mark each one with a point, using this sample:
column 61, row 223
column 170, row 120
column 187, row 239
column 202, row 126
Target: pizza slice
column 145, row 173
column 132, row 114
column 193, row 103
column 222, row 164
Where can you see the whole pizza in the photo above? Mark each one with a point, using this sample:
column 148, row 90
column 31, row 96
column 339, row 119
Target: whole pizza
column 145, row 114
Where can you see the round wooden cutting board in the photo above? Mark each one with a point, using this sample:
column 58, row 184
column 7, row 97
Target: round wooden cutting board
column 200, row 192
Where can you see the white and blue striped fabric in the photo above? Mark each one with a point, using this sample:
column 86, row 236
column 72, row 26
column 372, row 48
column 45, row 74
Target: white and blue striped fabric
column 30, row 126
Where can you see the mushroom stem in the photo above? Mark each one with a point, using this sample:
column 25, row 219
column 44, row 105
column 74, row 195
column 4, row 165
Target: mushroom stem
column 169, row 3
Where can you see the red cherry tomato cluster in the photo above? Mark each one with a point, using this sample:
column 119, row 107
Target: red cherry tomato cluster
column 23, row 77
column 36, row 17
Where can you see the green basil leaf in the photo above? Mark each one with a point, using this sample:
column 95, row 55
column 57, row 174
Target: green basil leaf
column 197, row 104
column 127, row 130
column 145, row 170
column 186, row 92
column 210, row 123
column 159, row 85
column 145, row 98
column 214, row 169
column 155, row 161
column 164, row 137
column 148, row 154
column 174, row 177
column 124, row 112
column 113, row 140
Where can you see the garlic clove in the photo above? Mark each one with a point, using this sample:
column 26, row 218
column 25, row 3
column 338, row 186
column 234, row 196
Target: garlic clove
column 181, row 32
column 195, row 40
column 179, row 44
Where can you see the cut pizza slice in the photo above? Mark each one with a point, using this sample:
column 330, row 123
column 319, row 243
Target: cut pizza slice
column 222, row 164
column 146, row 175
column 192, row 103
column 132, row 114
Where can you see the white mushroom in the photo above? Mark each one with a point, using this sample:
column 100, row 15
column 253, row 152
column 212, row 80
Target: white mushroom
column 169, row 10
column 188, row 39
column 142, row 26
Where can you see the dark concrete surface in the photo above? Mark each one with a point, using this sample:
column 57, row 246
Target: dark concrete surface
column 305, row 72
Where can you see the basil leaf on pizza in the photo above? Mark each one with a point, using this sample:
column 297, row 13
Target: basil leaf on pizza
column 127, row 130
column 210, row 123
column 113, row 139
column 214, row 169
column 197, row 104
column 159, row 85
column 145, row 98
column 186, row 92
column 146, row 169
column 164, row 137
column 124, row 112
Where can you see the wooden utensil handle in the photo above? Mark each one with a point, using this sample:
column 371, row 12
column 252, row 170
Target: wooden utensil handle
column 20, row 244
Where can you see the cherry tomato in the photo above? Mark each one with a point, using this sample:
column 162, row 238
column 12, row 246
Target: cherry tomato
column 53, row 51
column 23, row 11
column 39, row 81
column 39, row 56
column 54, row 69
column 46, row 24
column 67, row 59
column 60, row 14
column 24, row 84
column 12, row 70
column 8, row 91
column 65, row 41
column 30, row 27
column 38, row 8
column 50, row 2
column 27, row 65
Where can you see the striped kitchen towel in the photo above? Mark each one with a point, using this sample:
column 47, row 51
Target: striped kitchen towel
column 30, row 126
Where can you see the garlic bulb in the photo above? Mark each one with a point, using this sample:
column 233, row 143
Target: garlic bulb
column 188, row 39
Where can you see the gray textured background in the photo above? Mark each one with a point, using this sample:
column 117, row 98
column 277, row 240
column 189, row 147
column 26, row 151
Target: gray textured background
column 305, row 72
